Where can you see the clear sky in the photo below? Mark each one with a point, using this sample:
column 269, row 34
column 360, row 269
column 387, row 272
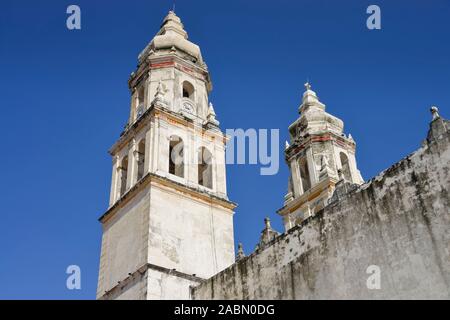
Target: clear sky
column 64, row 101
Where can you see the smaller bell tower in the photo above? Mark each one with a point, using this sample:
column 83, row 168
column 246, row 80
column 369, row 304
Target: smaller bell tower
column 319, row 155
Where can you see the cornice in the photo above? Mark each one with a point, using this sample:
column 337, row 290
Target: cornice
column 163, row 181
column 170, row 60
column 310, row 195
column 298, row 146
column 142, row 271
column 172, row 117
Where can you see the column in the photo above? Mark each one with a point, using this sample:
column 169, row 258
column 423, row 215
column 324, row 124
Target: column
column 296, row 179
column 191, row 156
column 132, row 105
column 307, row 211
column 311, row 167
column 219, row 169
column 163, row 148
column 148, row 149
column 154, row 147
column 114, row 176
column 131, row 177
column 352, row 167
column 136, row 159
column 146, row 102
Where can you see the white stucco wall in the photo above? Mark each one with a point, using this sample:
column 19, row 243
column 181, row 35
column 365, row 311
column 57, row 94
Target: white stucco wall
column 124, row 242
column 189, row 235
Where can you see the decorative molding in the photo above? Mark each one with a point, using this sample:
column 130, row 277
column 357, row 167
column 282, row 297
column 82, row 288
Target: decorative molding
column 163, row 181
column 141, row 271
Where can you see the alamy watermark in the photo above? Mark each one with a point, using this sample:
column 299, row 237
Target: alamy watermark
column 374, row 20
column 73, row 21
column 250, row 146
column 258, row 148
column 373, row 282
column 73, row 281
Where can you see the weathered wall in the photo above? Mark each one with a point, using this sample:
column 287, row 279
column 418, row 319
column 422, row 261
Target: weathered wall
column 399, row 221
column 185, row 240
column 124, row 243
column 166, row 286
column 189, row 235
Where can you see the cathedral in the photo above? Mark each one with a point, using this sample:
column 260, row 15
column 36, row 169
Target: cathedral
column 168, row 230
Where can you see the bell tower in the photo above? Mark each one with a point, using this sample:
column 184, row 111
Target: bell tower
column 169, row 223
column 319, row 156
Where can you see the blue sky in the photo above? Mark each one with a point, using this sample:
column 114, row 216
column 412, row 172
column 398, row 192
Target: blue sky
column 64, row 101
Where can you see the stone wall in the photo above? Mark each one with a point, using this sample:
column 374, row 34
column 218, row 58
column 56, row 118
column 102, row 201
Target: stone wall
column 399, row 221
column 162, row 241
column 124, row 244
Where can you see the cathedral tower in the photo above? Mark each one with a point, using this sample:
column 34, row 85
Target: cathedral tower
column 319, row 156
column 169, row 223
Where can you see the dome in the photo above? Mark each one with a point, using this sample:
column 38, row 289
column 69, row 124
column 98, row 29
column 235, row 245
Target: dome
column 172, row 35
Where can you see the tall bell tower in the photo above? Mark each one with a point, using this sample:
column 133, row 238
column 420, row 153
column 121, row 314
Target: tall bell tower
column 169, row 223
column 319, row 157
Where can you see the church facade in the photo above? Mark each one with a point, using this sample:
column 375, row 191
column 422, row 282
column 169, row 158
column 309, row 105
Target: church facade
column 168, row 231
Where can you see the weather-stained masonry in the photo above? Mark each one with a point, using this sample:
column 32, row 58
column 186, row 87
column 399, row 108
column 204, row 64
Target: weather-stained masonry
column 394, row 227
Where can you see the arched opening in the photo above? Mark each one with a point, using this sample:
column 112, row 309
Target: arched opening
column 205, row 168
column 345, row 167
column 188, row 90
column 176, row 161
column 304, row 175
column 140, row 159
column 123, row 175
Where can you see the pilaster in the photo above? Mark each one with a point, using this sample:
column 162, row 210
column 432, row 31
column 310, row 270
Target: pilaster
column 114, row 183
column 297, row 185
column 131, row 177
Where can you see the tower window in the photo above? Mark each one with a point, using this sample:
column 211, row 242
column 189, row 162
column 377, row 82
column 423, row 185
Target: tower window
column 205, row 168
column 123, row 175
column 304, row 175
column 345, row 166
column 140, row 159
column 188, row 90
column 176, row 162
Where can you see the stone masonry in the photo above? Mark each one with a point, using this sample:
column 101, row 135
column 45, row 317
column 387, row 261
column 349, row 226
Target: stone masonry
column 398, row 222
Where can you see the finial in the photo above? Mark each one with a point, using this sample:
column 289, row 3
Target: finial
column 267, row 222
column 324, row 161
column 240, row 253
column 159, row 88
column 159, row 96
column 211, row 109
column 435, row 112
column 211, row 117
column 307, row 85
